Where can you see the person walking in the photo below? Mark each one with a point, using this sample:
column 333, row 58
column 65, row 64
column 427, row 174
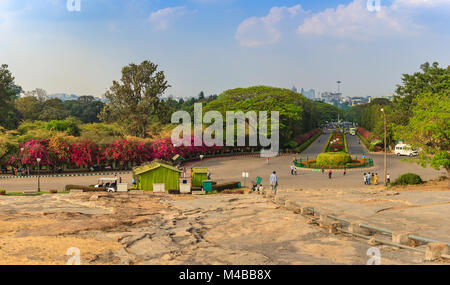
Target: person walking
column 375, row 179
column 323, row 169
column 388, row 178
column 274, row 182
column 345, row 171
column 295, row 170
column 365, row 178
column 330, row 172
column 368, row 178
column 292, row 169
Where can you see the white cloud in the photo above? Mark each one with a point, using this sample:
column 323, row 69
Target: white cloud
column 163, row 17
column 420, row 3
column 257, row 31
column 355, row 21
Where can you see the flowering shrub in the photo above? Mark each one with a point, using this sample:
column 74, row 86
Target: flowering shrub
column 86, row 154
column 365, row 133
column 32, row 150
column 303, row 138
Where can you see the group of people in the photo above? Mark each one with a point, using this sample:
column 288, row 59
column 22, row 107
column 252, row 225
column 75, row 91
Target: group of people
column 330, row 172
column 21, row 171
column 293, row 170
column 372, row 178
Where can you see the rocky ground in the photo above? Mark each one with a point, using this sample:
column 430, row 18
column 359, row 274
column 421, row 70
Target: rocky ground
column 165, row 229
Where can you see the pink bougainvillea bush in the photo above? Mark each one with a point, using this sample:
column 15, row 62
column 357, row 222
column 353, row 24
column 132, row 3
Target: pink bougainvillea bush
column 30, row 151
column 303, row 138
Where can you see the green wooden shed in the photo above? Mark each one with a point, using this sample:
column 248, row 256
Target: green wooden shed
column 158, row 172
column 199, row 174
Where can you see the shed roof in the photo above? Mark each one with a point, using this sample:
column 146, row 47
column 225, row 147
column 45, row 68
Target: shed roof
column 200, row 170
column 153, row 165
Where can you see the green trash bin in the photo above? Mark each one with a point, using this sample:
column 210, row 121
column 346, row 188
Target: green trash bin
column 207, row 186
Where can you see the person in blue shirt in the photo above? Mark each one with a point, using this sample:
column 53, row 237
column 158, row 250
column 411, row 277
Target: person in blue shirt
column 274, row 182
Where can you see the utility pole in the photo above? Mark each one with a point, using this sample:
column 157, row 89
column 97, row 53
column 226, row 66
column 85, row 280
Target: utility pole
column 385, row 150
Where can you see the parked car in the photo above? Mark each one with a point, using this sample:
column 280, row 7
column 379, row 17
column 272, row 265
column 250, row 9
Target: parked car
column 405, row 149
column 110, row 184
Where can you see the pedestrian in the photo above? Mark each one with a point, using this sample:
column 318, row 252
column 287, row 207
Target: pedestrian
column 368, row 178
column 120, row 179
column 274, row 182
column 330, row 172
column 388, row 178
column 295, row 170
column 323, row 169
column 375, row 179
column 345, row 171
column 365, row 178
column 292, row 169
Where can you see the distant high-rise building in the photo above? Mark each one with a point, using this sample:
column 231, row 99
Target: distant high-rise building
column 294, row 89
column 310, row 94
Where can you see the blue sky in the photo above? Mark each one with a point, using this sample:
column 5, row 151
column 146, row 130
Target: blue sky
column 215, row 45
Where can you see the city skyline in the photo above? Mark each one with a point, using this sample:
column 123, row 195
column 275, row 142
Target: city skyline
column 215, row 45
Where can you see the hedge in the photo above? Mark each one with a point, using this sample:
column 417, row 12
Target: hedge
column 306, row 144
column 333, row 159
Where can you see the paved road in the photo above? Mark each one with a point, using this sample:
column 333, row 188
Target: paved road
column 230, row 169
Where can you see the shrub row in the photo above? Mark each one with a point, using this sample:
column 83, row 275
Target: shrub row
column 307, row 143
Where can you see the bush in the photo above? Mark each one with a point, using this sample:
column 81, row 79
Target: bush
column 68, row 126
column 333, row 159
column 408, row 179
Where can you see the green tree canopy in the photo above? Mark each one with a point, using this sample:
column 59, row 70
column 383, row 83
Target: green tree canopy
column 426, row 98
column 9, row 91
column 132, row 100
column 295, row 110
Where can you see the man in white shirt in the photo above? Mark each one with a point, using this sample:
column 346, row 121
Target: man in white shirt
column 274, row 182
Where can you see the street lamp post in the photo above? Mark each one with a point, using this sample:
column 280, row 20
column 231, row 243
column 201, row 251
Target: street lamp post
column 385, row 149
column 39, row 174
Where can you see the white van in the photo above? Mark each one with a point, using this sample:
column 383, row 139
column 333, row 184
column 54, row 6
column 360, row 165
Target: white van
column 405, row 149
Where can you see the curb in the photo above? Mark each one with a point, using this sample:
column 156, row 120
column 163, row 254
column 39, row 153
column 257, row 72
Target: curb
column 64, row 175
column 435, row 250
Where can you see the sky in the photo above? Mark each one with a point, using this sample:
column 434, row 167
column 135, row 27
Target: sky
column 215, row 45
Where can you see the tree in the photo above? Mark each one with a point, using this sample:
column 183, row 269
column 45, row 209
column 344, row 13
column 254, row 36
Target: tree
column 29, row 107
column 53, row 109
column 415, row 84
column 38, row 93
column 427, row 100
column 86, row 108
column 135, row 97
column 293, row 107
column 9, row 91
